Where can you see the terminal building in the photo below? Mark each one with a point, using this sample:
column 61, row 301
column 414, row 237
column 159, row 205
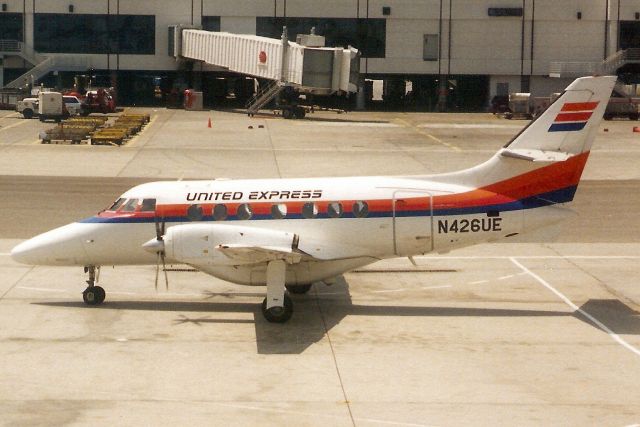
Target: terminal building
column 428, row 54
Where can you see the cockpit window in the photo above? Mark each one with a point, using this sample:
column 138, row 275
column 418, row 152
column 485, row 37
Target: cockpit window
column 117, row 204
column 148, row 205
column 130, row 206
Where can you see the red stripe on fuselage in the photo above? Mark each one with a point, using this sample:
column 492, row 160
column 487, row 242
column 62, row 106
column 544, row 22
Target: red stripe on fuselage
column 543, row 180
column 579, row 106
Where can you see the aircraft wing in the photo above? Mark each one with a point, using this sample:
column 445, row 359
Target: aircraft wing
column 204, row 244
column 250, row 254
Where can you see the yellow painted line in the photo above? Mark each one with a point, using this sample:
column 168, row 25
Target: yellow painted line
column 13, row 125
column 132, row 141
column 428, row 135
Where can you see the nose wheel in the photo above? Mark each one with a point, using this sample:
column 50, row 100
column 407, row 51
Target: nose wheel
column 94, row 294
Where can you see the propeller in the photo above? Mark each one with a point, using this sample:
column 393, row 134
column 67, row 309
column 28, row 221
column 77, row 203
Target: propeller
column 157, row 246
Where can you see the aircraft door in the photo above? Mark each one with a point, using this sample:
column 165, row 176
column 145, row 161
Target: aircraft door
column 412, row 222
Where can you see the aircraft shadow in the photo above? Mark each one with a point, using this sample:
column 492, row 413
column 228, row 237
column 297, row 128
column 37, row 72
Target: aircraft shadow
column 324, row 307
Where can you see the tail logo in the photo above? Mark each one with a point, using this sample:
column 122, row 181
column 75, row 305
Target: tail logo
column 573, row 116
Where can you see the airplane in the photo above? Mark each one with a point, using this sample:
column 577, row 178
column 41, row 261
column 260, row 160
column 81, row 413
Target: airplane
column 290, row 233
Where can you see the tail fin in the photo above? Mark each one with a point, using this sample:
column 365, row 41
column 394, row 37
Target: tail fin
column 546, row 159
column 568, row 127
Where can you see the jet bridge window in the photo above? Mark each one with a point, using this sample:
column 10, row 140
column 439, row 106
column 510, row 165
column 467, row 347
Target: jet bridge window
column 360, row 209
column 220, row 212
column 334, row 210
column 194, row 213
column 279, row 211
column 117, row 204
column 244, row 211
column 148, row 205
column 309, row 210
column 130, row 206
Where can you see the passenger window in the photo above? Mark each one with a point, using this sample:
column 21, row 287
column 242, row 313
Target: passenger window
column 279, row 211
column 360, row 209
column 194, row 213
column 244, row 211
column 148, row 205
column 309, row 210
column 334, row 210
column 220, row 212
column 117, row 204
column 130, row 206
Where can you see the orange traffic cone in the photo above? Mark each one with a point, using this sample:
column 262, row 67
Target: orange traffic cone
column 209, row 123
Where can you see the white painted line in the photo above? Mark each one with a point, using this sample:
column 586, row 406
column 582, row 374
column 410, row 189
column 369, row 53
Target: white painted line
column 506, row 277
column 12, row 125
column 567, row 301
column 478, row 282
column 437, row 287
column 387, row 291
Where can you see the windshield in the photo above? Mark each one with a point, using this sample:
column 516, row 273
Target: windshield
column 117, row 204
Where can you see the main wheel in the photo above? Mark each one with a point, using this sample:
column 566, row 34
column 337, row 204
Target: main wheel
column 278, row 314
column 287, row 113
column 298, row 289
column 93, row 295
column 299, row 113
column 27, row 113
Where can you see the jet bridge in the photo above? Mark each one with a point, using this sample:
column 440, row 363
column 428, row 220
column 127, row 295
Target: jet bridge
column 303, row 67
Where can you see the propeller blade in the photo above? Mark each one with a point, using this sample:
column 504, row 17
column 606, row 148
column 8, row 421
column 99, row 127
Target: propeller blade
column 164, row 268
column 157, row 271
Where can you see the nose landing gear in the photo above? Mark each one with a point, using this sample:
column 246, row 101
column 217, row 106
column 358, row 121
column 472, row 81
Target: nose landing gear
column 94, row 294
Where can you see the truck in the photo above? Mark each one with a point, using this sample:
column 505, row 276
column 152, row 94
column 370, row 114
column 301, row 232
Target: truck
column 98, row 101
column 51, row 106
column 28, row 107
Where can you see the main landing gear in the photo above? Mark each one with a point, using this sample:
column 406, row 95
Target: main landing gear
column 94, row 294
column 277, row 307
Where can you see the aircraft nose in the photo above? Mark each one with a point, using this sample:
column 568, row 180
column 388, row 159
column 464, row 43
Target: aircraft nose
column 62, row 246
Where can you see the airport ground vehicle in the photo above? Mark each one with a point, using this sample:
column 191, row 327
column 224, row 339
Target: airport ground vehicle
column 51, row 106
column 28, row 107
column 98, row 101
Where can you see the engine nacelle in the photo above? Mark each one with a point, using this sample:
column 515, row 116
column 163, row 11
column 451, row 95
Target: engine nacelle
column 216, row 244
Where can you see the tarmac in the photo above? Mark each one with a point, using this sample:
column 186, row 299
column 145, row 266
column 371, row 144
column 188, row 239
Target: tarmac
column 532, row 333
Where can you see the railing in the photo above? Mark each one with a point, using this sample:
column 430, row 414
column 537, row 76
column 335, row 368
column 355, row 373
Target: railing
column 262, row 97
column 10, row 46
column 573, row 69
column 52, row 63
column 608, row 66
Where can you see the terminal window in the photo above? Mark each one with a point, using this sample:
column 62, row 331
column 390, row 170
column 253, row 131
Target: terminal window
column 11, row 26
column 84, row 33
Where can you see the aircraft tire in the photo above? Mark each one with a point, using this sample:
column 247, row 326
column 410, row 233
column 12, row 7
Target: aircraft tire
column 278, row 314
column 298, row 289
column 94, row 295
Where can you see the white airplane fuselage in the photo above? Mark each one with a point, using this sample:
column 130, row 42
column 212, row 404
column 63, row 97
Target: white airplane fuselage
column 403, row 218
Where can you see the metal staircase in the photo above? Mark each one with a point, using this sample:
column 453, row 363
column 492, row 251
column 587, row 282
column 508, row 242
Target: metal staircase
column 42, row 64
column 609, row 66
column 263, row 97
